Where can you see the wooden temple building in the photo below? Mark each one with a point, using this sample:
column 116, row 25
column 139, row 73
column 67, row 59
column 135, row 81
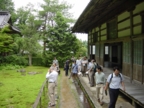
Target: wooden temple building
column 115, row 31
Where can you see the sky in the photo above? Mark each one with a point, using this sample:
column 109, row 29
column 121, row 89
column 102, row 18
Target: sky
column 77, row 9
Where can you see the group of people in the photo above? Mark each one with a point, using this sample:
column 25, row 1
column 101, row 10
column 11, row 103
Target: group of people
column 97, row 78
column 94, row 72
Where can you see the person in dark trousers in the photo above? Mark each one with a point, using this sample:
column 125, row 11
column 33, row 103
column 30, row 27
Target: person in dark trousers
column 66, row 67
column 114, row 82
column 74, row 70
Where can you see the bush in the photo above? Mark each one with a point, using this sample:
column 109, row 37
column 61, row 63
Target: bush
column 10, row 67
column 37, row 61
column 16, row 60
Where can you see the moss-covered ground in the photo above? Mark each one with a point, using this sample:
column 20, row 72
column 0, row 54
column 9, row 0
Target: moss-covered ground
column 20, row 91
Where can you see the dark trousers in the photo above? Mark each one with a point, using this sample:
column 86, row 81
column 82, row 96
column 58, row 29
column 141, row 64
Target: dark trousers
column 113, row 93
column 66, row 71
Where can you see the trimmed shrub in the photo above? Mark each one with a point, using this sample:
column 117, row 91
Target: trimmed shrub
column 37, row 61
column 16, row 60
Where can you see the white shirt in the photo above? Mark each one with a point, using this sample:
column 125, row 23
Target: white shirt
column 84, row 62
column 55, row 61
column 78, row 62
column 52, row 77
column 115, row 81
column 90, row 66
column 99, row 77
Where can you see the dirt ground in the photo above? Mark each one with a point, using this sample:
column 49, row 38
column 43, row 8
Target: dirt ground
column 67, row 97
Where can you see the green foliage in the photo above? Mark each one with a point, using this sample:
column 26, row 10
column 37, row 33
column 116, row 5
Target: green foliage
column 37, row 61
column 83, row 48
column 7, row 5
column 10, row 67
column 16, row 60
column 20, row 91
column 28, row 24
column 6, row 42
column 5, row 29
column 60, row 41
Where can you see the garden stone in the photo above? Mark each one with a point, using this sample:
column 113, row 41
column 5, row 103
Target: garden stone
column 32, row 73
column 1, row 84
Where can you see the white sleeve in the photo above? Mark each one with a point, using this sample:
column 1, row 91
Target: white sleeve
column 48, row 75
column 108, row 79
column 122, row 77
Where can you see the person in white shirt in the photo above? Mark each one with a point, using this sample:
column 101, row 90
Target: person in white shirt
column 78, row 62
column 90, row 73
column 52, row 80
column 54, row 67
column 114, row 81
column 84, row 65
column 56, row 61
column 100, row 83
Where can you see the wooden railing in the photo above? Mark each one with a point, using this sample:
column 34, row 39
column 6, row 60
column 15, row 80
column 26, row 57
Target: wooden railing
column 43, row 90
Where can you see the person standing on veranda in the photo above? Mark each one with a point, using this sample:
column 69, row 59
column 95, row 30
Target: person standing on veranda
column 78, row 62
column 52, row 80
column 114, row 82
column 74, row 70
column 100, row 83
column 90, row 73
column 84, row 63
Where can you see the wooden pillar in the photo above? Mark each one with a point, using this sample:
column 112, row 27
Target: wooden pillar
column 143, row 62
column 99, row 43
column 131, row 43
column 88, row 52
column 142, row 16
column 91, row 51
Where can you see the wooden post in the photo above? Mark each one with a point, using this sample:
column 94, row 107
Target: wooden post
column 143, row 62
column 91, row 51
column 44, row 90
column 131, row 43
column 88, row 46
column 40, row 103
column 142, row 16
column 99, row 43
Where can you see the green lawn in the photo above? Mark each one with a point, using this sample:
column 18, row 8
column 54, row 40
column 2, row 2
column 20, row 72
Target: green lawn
column 18, row 91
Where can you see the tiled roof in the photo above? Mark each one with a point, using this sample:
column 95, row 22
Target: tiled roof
column 4, row 18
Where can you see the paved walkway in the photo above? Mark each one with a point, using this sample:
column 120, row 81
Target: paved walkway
column 68, row 94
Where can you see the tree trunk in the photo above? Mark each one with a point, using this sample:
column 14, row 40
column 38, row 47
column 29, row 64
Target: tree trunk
column 30, row 59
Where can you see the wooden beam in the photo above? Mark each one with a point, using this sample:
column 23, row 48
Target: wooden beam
column 103, row 35
column 103, row 29
column 125, row 28
column 123, row 20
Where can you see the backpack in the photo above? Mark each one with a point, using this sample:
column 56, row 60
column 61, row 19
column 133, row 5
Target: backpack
column 95, row 67
column 112, row 77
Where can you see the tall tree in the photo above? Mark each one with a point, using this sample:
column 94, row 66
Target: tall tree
column 48, row 13
column 61, row 42
column 83, row 48
column 28, row 24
